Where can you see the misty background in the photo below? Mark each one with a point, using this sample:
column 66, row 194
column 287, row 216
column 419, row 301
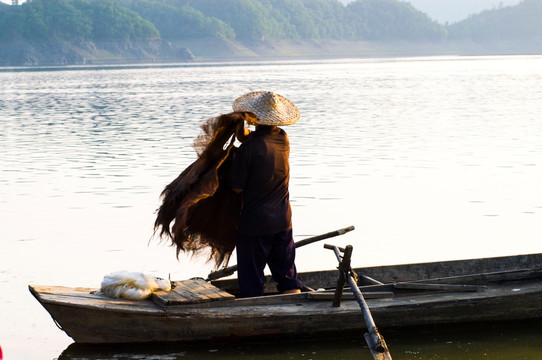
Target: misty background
column 454, row 10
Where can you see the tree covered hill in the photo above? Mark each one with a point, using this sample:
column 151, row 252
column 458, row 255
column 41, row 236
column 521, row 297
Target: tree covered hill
column 46, row 20
column 94, row 31
column 520, row 22
column 319, row 19
column 367, row 20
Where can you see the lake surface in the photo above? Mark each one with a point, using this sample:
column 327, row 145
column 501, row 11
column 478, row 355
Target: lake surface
column 429, row 158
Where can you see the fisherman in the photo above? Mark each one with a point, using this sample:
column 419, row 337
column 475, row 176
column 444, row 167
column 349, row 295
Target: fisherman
column 260, row 171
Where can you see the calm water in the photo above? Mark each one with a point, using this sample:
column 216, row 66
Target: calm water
column 430, row 159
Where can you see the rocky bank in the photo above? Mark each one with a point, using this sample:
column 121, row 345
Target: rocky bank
column 21, row 53
column 160, row 51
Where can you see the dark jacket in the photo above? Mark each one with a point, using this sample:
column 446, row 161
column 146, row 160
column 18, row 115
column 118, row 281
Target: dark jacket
column 261, row 169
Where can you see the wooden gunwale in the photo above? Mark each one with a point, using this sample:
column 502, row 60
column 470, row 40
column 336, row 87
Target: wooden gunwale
column 389, row 274
column 83, row 299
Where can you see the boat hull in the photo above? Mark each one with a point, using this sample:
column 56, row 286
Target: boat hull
column 89, row 317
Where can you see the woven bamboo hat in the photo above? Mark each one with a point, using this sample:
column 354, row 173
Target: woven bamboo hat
column 269, row 108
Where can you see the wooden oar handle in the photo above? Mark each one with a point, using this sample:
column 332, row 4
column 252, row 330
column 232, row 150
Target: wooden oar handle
column 231, row 269
column 324, row 236
column 333, row 247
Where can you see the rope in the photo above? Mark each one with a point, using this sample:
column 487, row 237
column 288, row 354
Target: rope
column 354, row 275
column 58, row 325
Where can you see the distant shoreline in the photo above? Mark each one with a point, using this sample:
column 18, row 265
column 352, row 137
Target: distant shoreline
column 219, row 50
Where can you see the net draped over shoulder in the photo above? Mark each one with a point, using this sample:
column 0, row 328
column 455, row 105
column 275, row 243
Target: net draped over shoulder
column 200, row 203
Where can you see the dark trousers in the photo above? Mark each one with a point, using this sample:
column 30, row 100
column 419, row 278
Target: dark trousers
column 277, row 251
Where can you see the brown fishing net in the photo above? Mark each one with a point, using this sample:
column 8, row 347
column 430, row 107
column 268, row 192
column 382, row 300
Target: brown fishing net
column 200, row 203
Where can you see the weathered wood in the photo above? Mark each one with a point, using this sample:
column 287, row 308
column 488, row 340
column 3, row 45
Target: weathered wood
column 191, row 291
column 377, row 352
column 474, row 279
column 437, row 287
column 423, row 271
column 267, row 300
column 375, row 341
column 370, row 280
column 324, row 236
column 513, row 292
column 90, row 298
column 323, row 295
column 344, row 267
column 485, row 277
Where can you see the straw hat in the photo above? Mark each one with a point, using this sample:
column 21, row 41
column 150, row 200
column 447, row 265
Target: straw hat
column 270, row 108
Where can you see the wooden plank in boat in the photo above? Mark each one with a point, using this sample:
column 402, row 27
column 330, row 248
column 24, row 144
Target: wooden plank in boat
column 438, row 287
column 325, row 295
column 191, row 291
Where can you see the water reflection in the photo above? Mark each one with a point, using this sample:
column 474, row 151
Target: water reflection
column 497, row 341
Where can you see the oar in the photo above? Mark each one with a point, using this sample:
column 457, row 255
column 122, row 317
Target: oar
column 231, row 269
column 375, row 341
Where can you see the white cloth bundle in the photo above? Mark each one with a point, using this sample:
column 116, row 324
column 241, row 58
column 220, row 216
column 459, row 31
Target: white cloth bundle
column 132, row 285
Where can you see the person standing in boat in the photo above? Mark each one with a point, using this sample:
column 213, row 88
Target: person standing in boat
column 260, row 171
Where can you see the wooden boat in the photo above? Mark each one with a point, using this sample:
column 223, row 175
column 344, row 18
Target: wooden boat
column 450, row 292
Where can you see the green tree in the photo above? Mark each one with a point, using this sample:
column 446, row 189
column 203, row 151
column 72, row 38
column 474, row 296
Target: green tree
column 47, row 20
column 246, row 17
column 110, row 21
column 65, row 21
column 31, row 23
column 394, row 20
column 180, row 22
